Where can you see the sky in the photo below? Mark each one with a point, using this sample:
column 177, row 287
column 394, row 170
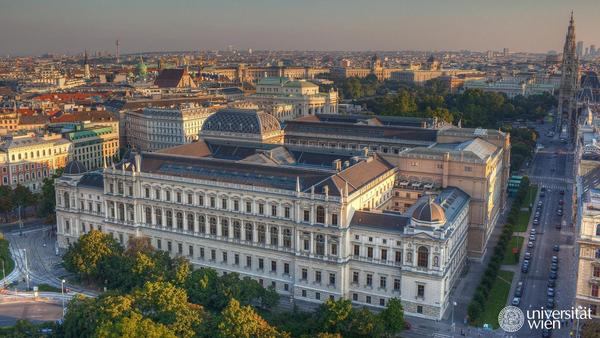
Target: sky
column 32, row 27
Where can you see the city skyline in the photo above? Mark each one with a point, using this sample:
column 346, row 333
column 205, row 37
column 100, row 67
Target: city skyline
column 70, row 27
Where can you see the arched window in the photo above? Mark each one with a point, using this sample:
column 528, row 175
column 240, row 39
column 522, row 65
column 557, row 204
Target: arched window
column 190, row 221
column 201, row 224
column 261, row 233
column 179, row 221
column 237, row 230
column 320, row 245
column 158, row 213
column 169, row 218
column 274, row 236
column 423, row 257
column 148, row 215
column 224, row 227
column 320, row 215
column 248, row 231
column 213, row 225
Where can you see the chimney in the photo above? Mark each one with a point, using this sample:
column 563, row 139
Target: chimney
column 326, row 190
column 337, row 165
column 346, row 164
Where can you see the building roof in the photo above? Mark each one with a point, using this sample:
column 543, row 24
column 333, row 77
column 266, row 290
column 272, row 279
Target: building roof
column 170, row 78
column 243, row 121
column 194, row 149
column 386, row 221
column 429, row 211
column 74, row 167
column 92, row 179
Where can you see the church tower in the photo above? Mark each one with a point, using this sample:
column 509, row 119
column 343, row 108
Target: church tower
column 86, row 66
column 567, row 97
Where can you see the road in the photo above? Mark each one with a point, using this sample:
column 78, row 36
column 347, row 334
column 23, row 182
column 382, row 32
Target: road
column 36, row 312
column 552, row 168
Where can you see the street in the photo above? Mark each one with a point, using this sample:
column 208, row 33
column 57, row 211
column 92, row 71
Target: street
column 552, row 169
column 34, row 311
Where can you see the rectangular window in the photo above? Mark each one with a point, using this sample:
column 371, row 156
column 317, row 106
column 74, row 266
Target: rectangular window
column 398, row 257
column 191, row 251
column 190, row 199
column 273, row 266
column 236, row 205
column 248, row 261
column 369, row 252
column 396, row 284
column 318, row 276
column 224, row 203
column 317, row 295
column 286, row 268
column 369, row 279
column 286, row 212
column 274, row 210
column 382, row 282
column 304, row 274
column 159, row 244
column 421, row 290
column 355, row 277
column 332, row 279
column 261, row 264
column 261, row 209
column 356, row 250
column 201, row 200
column 306, row 215
column 594, row 290
column 180, row 248
column 236, row 259
column 147, row 192
column 596, row 271
column 178, row 196
column 334, row 219
column 213, row 254
column 212, row 202
column 169, row 246
column 224, row 257
column 383, row 255
column 202, row 253
column 368, row 299
column 249, row 207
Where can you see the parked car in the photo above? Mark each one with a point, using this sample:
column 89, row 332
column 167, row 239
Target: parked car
column 533, row 231
column 530, row 245
column 516, row 301
column 543, row 189
column 562, row 192
column 553, row 274
column 532, row 238
column 556, row 248
column 551, row 283
column 525, row 268
column 550, row 303
column 546, row 333
column 554, row 259
column 550, row 292
column 554, row 267
column 527, row 256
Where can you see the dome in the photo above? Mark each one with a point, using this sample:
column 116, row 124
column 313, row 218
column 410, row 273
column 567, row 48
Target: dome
column 141, row 68
column 244, row 121
column 429, row 212
column 74, row 168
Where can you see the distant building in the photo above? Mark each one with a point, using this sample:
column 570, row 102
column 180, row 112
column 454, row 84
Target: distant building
column 245, row 73
column 151, row 129
column 94, row 146
column 174, row 78
column 588, row 269
column 511, row 87
column 304, row 96
column 376, row 69
column 242, row 124
column 28, row 159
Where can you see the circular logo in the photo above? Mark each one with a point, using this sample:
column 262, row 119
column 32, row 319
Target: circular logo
column 511, row 319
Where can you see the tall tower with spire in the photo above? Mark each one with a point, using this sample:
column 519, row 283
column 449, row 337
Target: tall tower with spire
column 567, row 97
column 86, row 66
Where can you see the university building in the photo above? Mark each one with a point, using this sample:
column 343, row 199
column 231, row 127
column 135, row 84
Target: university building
column 312, row 222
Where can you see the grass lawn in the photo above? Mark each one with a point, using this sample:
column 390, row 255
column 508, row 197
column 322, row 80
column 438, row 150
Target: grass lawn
column 496, row 300
column 531, row 195
column 522, row 221
column 47, row 288
column 5, row 256
column 509, row 257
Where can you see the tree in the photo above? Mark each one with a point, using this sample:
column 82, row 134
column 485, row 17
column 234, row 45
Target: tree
column 83, row 257
column 134, row 326
column 82, row 318
column 6, row 201
column 334, row 314
column 238, row 321
column 392, row 317
column 363, row 323
column 22, row 196
column 166, row 304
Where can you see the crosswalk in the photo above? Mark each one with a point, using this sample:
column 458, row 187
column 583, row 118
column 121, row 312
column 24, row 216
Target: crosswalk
column 544, row 180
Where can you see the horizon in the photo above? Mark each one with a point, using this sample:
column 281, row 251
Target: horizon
column 69, row 27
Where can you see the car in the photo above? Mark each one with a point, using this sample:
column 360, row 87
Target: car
column 527, row 256
column 537, row 214
column 562, row 192
column 550, row 292
column 525, row 268
column 554, row 267
column 542, row 194
column 532, row 238
column 550, row 303
column 540, row 203
column 551, row 283
column 543, row 189
column 556, row 248
column 553, row 274
column 516, row 301
column 561, row 202
column 533, row 231
column 519, row 291
column 554, row 259
column 536, row 221
column 530, row 245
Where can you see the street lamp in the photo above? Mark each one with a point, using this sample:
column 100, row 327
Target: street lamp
column 62, row 292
